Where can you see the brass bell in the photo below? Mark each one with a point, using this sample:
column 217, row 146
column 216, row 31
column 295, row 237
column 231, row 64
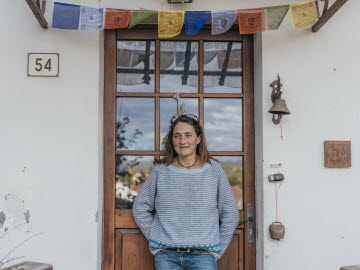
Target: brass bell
column 279, row 107
column 277, row 230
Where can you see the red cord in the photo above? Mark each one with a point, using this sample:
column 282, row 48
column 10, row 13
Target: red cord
column 281, row 130
column 276, row 200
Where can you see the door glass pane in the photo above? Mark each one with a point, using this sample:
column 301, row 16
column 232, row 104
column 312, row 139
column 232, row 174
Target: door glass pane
column 135, row 124
column 233, row 167
column 131, row 173
column 223, row 124
column 135, row 66
column 222, row 67
column 168, row 108
column 178, row 66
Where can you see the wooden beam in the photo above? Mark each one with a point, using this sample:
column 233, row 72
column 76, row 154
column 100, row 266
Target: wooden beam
column 328, row 14
column 38, row 12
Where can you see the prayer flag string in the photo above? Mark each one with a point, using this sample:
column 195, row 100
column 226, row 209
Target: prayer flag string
column 170, row 23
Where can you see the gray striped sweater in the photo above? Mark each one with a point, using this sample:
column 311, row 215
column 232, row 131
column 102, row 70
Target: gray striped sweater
column 187, row 208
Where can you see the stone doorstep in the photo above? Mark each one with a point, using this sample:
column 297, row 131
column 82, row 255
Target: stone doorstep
column 30, row 266
column 354, row 267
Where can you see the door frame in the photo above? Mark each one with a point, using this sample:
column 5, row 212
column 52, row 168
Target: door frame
column 109, row 132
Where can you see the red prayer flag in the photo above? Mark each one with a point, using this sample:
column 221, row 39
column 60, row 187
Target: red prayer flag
column 251, row 20
column 117, row 18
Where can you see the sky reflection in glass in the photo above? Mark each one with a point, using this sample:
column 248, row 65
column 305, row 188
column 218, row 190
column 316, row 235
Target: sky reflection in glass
column 223, row 124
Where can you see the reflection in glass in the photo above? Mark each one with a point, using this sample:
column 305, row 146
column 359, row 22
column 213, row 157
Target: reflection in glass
column 131, row 173
column 222, row 67
column 135, row 66
column 178, row 66
column 168, row 108
column 223, row 124
column 135, row 124
column 233, row 167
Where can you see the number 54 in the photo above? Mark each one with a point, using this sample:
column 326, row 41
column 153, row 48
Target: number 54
column 39, row 65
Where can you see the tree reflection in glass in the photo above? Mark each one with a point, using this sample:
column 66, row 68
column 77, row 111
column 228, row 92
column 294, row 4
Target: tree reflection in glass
column 131, row 173
column 134, row 126
column 233, row 167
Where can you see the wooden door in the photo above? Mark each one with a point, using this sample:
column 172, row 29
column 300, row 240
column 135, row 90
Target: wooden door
column 213, row 76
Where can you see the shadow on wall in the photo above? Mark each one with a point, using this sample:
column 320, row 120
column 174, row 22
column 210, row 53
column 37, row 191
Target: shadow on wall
column 15, row 231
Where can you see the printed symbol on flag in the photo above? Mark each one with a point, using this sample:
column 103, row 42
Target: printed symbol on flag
column 303, row 14
column 170, row 23
column 251, row 21
column 224, row 22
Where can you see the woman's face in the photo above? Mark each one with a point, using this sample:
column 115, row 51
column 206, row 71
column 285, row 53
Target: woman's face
column 185, row 140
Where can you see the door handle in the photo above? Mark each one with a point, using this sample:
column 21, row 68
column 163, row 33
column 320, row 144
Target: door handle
column 246, row 220
column 250, row 224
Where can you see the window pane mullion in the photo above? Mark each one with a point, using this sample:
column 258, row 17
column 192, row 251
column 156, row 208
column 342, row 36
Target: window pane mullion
column 201, row 67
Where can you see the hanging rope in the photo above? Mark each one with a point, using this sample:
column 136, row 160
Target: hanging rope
column 276, row 199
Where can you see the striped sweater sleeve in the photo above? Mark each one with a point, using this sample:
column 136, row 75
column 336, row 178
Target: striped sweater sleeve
column 228, row 211
column 145, row 203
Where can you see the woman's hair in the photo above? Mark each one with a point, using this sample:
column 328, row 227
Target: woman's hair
column 201, row 149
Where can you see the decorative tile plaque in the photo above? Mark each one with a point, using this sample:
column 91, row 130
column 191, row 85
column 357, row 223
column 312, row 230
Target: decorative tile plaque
column 337, row 154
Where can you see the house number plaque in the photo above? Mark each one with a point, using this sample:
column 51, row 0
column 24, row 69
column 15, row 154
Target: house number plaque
column 43, row 65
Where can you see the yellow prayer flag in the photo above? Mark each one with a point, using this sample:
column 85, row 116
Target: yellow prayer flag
column 303, row 14
column 170, row 23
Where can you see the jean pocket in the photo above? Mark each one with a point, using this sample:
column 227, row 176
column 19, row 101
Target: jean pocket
column 160, row 251
column 202, row 252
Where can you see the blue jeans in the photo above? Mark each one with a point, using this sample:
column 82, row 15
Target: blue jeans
column 195, row 260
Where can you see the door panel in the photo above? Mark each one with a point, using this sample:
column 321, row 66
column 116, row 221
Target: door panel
column 131, row 251
column 233, row 259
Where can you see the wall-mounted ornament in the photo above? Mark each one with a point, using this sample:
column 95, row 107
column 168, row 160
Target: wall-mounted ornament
column 279, row 107
column 337, row 154
column 277, row 230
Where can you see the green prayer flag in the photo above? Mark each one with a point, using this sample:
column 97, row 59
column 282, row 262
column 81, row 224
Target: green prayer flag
column 139, row 16
column 275, row 15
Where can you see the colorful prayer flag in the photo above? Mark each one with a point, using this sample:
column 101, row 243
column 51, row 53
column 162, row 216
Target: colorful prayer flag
column 170, row 23
column 222, row 21
column 91, row 18
column 303, row 14
column 251, row 20
column 117, row 18
column 274, row 16
column 66, row 16
column 195, row 20
column 139, row 16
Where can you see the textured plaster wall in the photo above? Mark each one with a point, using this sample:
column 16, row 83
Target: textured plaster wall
column 51, row 152
column 49, row 140
column 317, row 205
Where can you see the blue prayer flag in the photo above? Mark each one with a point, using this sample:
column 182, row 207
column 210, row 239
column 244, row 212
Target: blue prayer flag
column 222, row 21
column 195, row 20
column 91, row 18
column 66, row 16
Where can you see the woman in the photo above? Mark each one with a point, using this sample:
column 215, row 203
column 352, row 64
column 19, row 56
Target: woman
column 186, row 208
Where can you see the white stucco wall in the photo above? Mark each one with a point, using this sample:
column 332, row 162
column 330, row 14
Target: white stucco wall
column 50, row 140
column 317, row 205
column 51, row 151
